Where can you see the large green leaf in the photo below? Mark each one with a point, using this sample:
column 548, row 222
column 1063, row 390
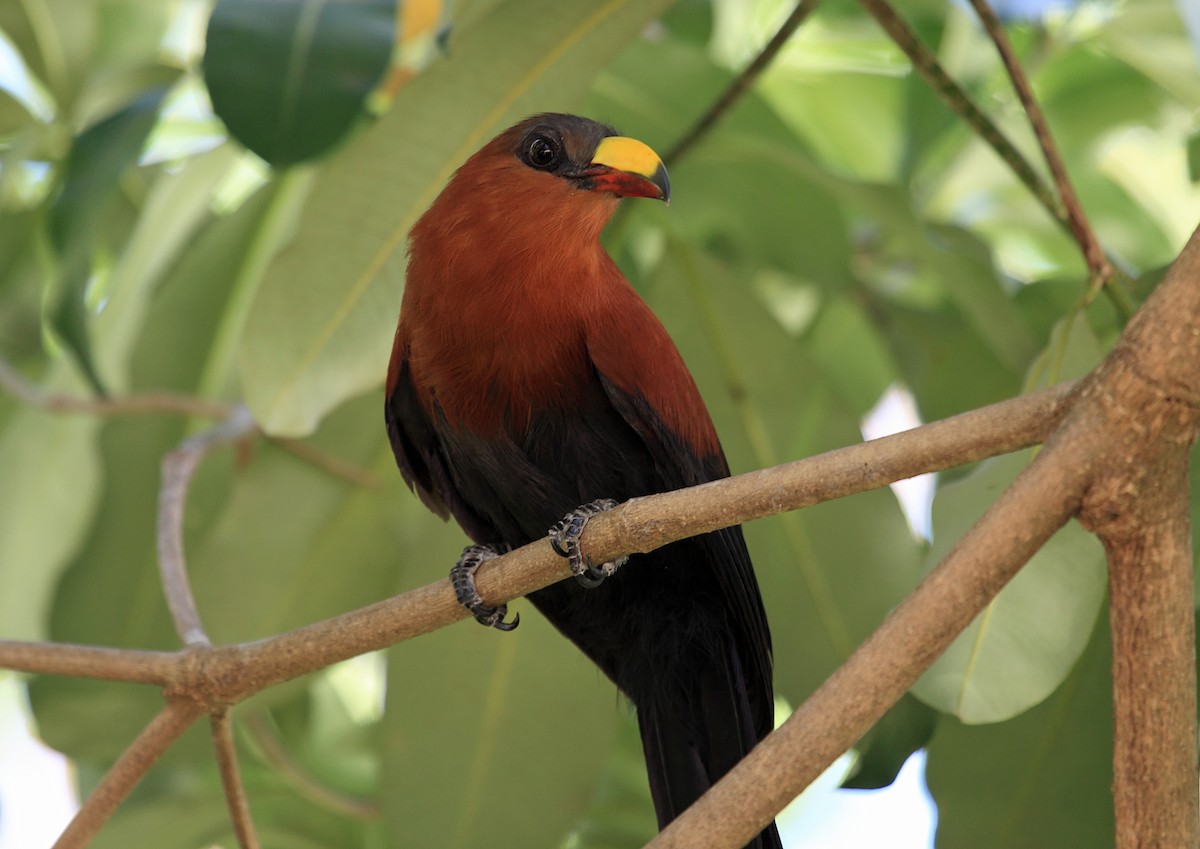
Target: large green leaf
column 1025, row 643
column 98, row 159
column 519, row 726
column 56, row 38
column 1040, row 780
column 322, row 323
column 830, row 573
column 289, row 79
column 51, row 478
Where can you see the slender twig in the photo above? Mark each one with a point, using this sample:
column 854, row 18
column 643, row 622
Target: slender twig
column 741, row 83
column 13, row 382
column 1093, row 254
column 957, row 99
column 231, row 780
column 335, row 466
column 134, row 666
column 263, row 738
column 130, row 768
column 178, row 467
column 953, row 95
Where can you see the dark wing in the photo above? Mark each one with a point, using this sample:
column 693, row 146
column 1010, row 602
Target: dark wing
column 414, row 441
column 680, row 463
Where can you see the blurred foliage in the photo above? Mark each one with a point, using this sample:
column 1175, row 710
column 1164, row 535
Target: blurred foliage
column 837, row 234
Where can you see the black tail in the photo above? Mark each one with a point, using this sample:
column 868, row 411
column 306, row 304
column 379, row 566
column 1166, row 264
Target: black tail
column 689, row 746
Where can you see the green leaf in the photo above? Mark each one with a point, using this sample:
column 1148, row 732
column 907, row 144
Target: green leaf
column 51, row 479
column 1039, row 781
column 621, row 814
column 884, row 750
column 830, row 573
column 519, row 725
column 180, row 812
column 56, row 38
column 290, row 79
column 98, row 159
column 1024, row 644
column 322, row 324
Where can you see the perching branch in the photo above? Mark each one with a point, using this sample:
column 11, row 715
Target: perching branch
column 224, row 675
column 205, row 679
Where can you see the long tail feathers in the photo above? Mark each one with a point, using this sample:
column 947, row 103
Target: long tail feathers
column 689, row 747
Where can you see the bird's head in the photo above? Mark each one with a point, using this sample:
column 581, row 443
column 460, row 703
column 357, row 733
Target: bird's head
column 587, row 155
column 550, row 178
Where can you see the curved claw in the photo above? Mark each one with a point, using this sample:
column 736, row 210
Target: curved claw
column 564, row 539
column 462, row 578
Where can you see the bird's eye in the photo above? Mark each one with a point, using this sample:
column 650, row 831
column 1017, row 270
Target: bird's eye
column 542, row 152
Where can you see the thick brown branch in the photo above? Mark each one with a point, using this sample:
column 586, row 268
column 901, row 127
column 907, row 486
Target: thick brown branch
column 129, row 769
column 1128, row 434
column 883, row 668
column 1146, row 399
column 1154, row 663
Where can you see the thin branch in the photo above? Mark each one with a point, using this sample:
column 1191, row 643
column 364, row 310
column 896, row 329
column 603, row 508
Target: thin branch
column 178, row 467
column 13, row 382
column 953, row 95
column 267, row 743
column 231, row 780
column 958, row 100
column 133, row 666
column 1093, row 254
column 741, row 83
column 329, row 463
column 130, row 768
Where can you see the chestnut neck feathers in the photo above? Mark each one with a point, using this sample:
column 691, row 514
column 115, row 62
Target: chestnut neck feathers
column 503, row 270
column 511, row 302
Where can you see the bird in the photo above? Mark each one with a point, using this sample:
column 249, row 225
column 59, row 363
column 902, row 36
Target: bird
column 529, row 388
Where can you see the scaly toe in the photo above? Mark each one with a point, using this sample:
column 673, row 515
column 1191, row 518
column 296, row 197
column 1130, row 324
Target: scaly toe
column 462, row 578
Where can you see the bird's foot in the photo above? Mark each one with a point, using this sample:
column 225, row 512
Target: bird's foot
column 565, row 536
column 462, row 578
